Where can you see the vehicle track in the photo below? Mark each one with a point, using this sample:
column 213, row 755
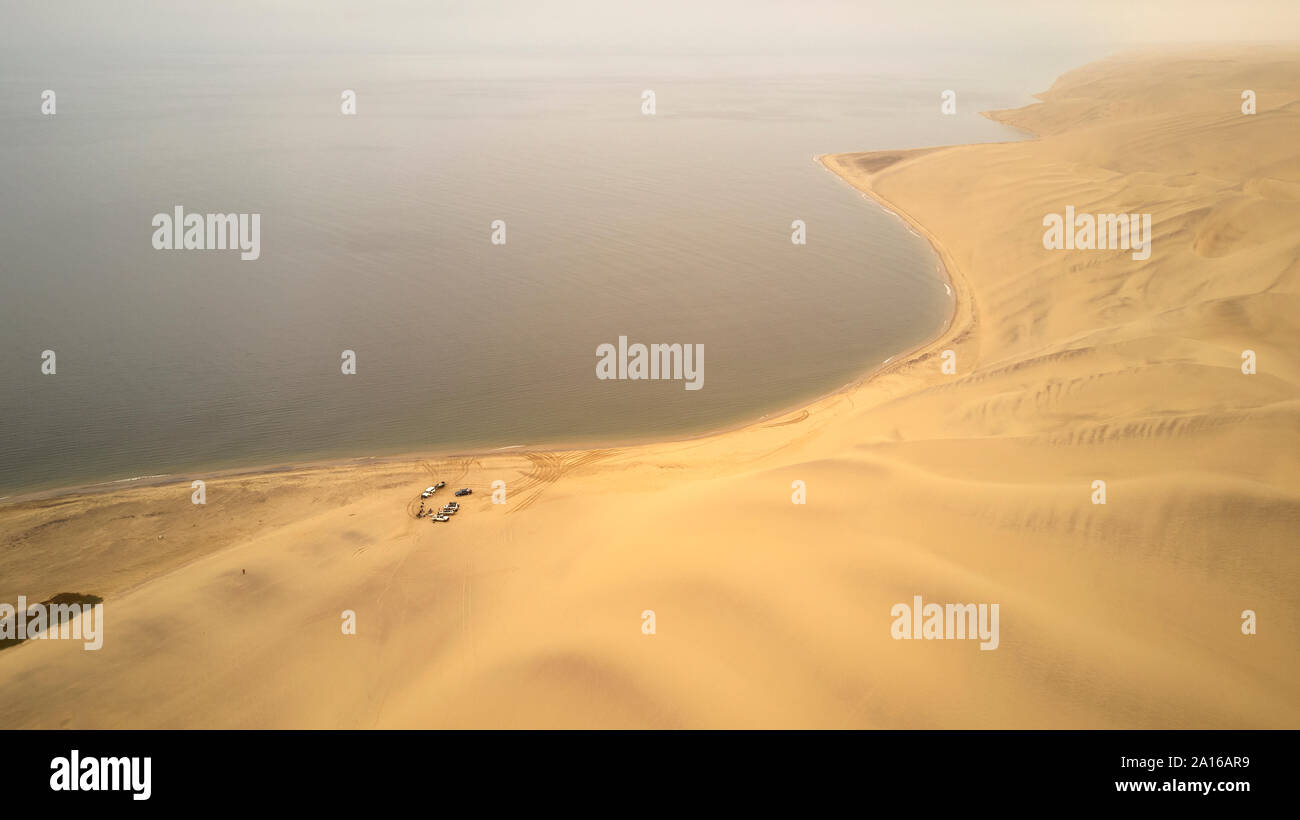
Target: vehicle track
column 795, row 419
column 548, row 468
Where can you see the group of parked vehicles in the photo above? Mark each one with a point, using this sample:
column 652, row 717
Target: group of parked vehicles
column 448, row 510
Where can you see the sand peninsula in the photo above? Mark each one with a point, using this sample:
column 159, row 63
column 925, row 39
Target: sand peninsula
column 1072, row 367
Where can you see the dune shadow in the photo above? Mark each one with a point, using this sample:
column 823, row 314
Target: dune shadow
column 63, row 599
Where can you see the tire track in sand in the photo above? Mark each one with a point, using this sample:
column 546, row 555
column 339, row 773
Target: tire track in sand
column 548, row 468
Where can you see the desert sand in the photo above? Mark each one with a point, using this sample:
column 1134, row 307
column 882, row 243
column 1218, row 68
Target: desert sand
column 1072, row 367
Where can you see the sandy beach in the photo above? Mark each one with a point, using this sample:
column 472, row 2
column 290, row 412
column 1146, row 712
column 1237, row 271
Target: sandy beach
column 1072, row 366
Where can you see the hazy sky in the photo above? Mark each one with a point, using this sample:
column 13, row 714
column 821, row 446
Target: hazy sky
column 611, row 26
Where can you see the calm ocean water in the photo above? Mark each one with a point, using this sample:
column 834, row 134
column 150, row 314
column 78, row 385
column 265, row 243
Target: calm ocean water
column 375, row 238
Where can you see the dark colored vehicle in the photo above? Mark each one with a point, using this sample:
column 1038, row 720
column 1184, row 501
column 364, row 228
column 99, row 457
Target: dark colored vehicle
column 464, row 491
column 440, row 485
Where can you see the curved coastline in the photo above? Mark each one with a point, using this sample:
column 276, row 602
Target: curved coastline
column 960, row 294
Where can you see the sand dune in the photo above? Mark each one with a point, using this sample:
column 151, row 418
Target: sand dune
column 1072, row 366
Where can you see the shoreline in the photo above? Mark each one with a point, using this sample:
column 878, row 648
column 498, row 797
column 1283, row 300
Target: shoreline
column 960, row 292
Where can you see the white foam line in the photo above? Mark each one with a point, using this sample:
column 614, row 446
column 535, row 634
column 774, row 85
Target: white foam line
column 125, row 480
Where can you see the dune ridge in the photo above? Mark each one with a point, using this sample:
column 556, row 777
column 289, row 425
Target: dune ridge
column 1072, row 366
